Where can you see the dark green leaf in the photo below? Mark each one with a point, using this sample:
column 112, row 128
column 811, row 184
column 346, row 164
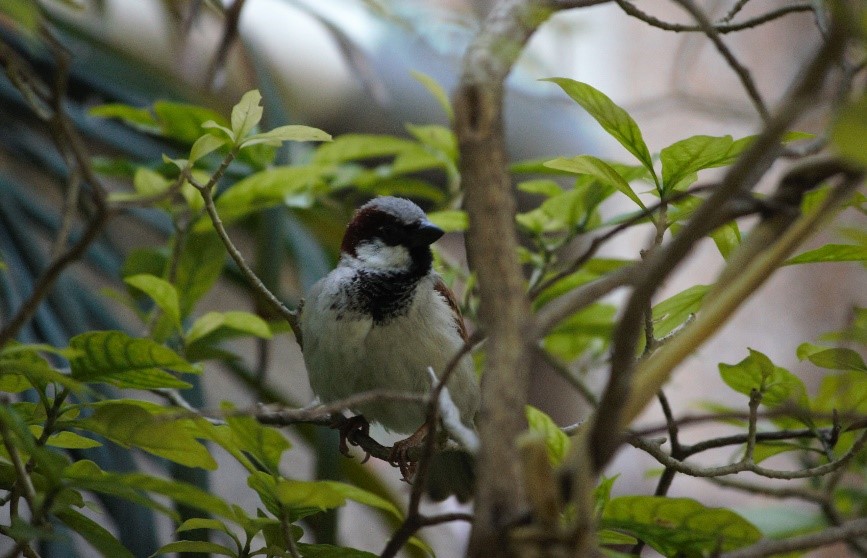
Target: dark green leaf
column 611, row 117
column 199, row 267
column 195, row 546
column 831, row 253
column 94, row 533
column 328, row 551
column 679, row 526
column 115, row 358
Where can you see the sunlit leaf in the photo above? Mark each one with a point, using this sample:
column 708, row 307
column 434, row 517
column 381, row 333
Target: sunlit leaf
column 679, row 526
column 133, row 426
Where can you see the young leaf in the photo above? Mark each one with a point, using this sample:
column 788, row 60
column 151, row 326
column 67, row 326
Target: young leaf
column 831, row 253
column 450, row 220
column 280, row 134
column 94, row 533
column 225, row 324
column 834, row 359
column 556, row 441
column 161, row 292
column 114, row 357
column 598, row 169
column 611, row 117
column 673, row 311
column 183, row 121
column 679, row 526
column 437, row 91
column 205, row 145
column 693, row 154
column 756, row 372
column 246, row 114
column 133, row 426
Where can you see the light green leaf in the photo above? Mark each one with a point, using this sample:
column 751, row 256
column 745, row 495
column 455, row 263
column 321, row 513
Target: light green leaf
column 291, row 132
column 673, row 311
column 542, row 186
column 756, row 372
column 21, row 368
column 66, row 440
column 183, row 121
column 202, row 523
column 136, row 117
column 211, row 125
column 598, row 169
column 161, row 292
column 450, row 220
column 308, row 494
column 94, row 533
column 265, row 444
column 609, row 537
column 148, row 182
column 228, row 324
column 831, row 253
column 611, row 117
column 849, row 131
column 351, row 147
column 352, row 492
column 205, row 145
column 690, row 155
column 115, row 358
column 437, row 91
column 834, row 358
column 195, row 546
column 133, row 426
column 247, row 114
column 846, row 392
column 587, row 330
column 679, row 526
column 556, row 441
column 438, row 138
column 727, row 238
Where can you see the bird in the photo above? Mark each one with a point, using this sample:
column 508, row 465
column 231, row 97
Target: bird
column 381, row 319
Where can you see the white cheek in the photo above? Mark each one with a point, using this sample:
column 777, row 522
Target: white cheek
column 377, row 255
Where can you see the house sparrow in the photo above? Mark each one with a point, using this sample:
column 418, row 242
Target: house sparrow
column 381, row 318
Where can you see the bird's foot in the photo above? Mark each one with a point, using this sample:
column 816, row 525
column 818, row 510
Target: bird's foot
column 348, row 427
column 400, row 452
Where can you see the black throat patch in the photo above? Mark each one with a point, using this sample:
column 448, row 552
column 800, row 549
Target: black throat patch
column 383, row 296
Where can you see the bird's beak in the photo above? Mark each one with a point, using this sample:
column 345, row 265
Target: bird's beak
column 426, row 234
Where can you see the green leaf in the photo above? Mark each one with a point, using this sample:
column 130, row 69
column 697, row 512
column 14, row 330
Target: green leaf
column 849, row 131
column 685, row 157
column 846, row 392
column 272, row 187
column 246, row 114
column 202, row 523
column 139, row 118
column 834, row 359
column 609, row 537
column 450, row 220
column 199, row 267
column 765, row 450
column 148, row 182
column 308, row 494
column 831, row 253
column 263, row 443
column 66, row 440
column 21, row 367
column 223, row 324
column 556, row 441
column 292, row 132
column 356, row 494
column 727, row 238
column 598, row 169
column 133, row 426
column 437, row 91
column 756, row 372
column 94, row 533
column 542, row 186
column 602, row 493
column 329, row 551
column 674, row 311
column 161, row 292
column 115, row 358
column 183, row 121
column 587, row 330
column 611, row 117
column 205, row 145
column 352, row 147
column 679, row 526
column 195, row 546
column 438, row 138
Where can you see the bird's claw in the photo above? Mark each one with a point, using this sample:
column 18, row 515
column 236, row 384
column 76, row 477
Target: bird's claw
column 347, row 429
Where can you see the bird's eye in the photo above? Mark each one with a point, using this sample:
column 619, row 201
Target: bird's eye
column 390, row 234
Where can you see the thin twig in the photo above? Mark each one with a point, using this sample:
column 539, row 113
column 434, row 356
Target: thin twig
column 828, row 535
